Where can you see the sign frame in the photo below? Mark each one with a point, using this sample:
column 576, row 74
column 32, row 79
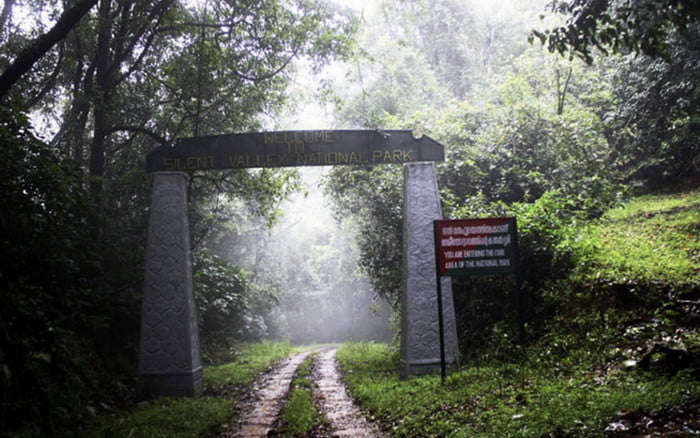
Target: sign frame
column 294, row 148
column 476, row 247
column 493, row 232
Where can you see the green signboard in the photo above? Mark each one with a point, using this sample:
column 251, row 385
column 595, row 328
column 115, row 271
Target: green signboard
column 294, row 148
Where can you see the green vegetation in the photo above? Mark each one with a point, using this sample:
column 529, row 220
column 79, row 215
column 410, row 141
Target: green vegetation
column 252, row 358
column 618, row 335
column 189, row 417
column 653, row 238
column 504, row 400
column 164, row 418
column 300, row 414
column 110, row 87
column 556, row 142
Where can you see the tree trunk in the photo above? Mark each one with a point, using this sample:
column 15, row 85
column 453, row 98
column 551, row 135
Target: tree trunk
column 5, row 14
column 561, row 93
column 101, row 103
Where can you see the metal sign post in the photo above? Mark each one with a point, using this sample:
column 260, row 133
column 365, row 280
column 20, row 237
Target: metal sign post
column 441, row 324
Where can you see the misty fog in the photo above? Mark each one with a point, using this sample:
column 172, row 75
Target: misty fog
column 311, row 262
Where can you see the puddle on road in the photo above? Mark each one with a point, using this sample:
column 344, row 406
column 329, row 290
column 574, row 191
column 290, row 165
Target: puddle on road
column 259, row 417
column 346, row 418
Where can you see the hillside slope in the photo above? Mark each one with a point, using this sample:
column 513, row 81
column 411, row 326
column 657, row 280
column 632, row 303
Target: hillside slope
column 635, row 290
column 614, row 350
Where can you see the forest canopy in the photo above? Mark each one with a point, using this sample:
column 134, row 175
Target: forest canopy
column 620, row 26
column 601, row 103
column 88, row 88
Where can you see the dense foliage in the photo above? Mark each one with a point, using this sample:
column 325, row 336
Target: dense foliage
column 120, row 79
column 645, row 26
column 555, row 142
column 230, row 307
column 57, row 305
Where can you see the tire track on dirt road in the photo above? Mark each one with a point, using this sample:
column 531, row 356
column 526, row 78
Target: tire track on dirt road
column 347, row 420
column 260, row 416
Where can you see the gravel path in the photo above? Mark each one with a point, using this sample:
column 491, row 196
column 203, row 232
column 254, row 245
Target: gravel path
column 346, row 418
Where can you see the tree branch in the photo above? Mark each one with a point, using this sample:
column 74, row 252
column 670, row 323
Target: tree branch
column 139, row 129
column 49, row 82
column 155, row 16
column 6, row 11
column 42, row 44
column 269, row 75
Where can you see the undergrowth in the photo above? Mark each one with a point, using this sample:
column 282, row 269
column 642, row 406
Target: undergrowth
column 503, row 400
column 188, row 417
column 614, row 332
column 652, row 239
column 633, row 294
column 251, row 359
column 163, row 418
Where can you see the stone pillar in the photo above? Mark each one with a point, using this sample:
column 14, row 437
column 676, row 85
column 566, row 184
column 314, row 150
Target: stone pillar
column 169, row 362
column 420, row 341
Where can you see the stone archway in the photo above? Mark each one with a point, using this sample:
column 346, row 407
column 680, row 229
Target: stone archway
column 169, row 360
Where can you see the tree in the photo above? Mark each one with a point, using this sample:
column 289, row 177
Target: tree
column 640, row 26
column 51, row 303
column 657, row 89
column 463, row 43
column 42, row 44
column 131, row 75
column 653, row 129
column 374, row 198
column 135, row 61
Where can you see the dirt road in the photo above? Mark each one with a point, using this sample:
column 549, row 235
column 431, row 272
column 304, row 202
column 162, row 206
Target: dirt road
column 346, row 418
column 260, row 415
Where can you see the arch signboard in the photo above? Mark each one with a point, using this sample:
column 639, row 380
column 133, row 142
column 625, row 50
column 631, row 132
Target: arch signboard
column 294, row 148
column 169, row 359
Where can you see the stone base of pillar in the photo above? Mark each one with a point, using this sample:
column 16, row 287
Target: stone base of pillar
column 169, row 385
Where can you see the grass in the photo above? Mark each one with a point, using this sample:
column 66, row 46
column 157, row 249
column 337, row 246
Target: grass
column 636, row 281
column 650, row 239
column 503, row 400
column 254, row 358
column 164, row 418
column 188, row 417
column 633, row 290
column 313, row 347
column 300, row 414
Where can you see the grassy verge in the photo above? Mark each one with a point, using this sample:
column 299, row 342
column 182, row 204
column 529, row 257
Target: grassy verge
column 634, row 293
column 502, row 400
column 163, row 418
column 653, row 238
column 188, row 417
column 254, row 358
column 618, row 338
column 300, row 415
